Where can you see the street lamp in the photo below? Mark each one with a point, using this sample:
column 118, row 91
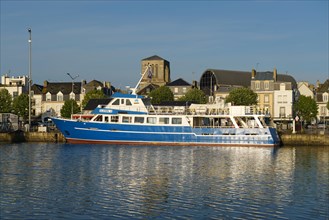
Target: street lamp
column 73, row 78
column 30, row 74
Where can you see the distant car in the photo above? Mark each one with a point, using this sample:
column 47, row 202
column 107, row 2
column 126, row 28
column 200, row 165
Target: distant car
column 311, row 126
column 321, row 126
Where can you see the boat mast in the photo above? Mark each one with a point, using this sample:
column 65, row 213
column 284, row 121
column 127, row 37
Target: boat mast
column 133, row 91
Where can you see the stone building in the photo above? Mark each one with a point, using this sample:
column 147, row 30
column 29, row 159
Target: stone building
column 157, row 74
column 179, row 88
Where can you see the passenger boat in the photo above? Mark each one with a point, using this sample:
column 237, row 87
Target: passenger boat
column 132, row 119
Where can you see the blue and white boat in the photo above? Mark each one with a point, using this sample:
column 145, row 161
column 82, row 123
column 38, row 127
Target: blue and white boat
column 132, row 119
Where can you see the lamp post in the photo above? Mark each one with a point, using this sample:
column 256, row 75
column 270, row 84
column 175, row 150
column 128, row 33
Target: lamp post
column 73, row 78
column 30, row 74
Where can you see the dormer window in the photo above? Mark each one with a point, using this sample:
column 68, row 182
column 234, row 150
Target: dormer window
column 282, row 86
column 48, row 96
column 72, row 95
column 59, row 96
column 325, row 97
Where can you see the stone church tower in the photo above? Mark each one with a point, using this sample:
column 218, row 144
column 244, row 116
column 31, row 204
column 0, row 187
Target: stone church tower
column 160, row 69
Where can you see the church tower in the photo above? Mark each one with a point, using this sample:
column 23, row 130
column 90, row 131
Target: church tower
column 159, row 74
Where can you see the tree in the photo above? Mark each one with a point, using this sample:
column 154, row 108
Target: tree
column 307, row 108
column 66, row 110
column 93, row 94
column 242, row 96
column 5, row 101
column 161, row 94
column 21, row 105
column 194, row 95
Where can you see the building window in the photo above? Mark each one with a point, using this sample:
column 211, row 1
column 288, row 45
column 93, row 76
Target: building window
column 325, row 97
column 323, row 110
column 266, row 99
column 48, row 97
column 72, row 95
column 15, row 94
column 282, row 86
column 184, row 90
column 60, row 97
column 266, row 85
column 282, row 112
column 176, row 90
column 279, row 98
column 257, row 85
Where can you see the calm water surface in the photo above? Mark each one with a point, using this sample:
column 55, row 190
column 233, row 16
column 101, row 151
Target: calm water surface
column 55, row 181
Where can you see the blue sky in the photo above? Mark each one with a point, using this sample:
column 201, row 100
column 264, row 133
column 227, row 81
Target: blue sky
column 106, row 40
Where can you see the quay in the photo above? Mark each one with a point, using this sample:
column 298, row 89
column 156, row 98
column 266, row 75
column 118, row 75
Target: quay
column 20, row 136
column 303, row 139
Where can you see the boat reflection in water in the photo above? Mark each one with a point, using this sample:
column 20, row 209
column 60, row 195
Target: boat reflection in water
column 108, row 181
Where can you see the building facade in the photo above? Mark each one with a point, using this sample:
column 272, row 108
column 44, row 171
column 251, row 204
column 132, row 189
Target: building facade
column 179, row 88
column 15, row 85
column 157, row 72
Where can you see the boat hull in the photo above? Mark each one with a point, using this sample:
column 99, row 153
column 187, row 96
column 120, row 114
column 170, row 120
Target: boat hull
column 106, row 133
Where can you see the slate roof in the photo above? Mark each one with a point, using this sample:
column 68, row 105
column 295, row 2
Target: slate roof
column 179, row 82
column 37, row 89
column 154, row 57
column 93, row 103
column 64, row 87
column 324, row 87
column 230, row 77
column 243, row 78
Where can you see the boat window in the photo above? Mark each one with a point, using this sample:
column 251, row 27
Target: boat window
column 126, row 119
column 106, row 118
column 128, row 102
column 176, row 121
column 114, row 118
column 98, row 118
column 151, row 120
column 139, row 120
column 116, row 102
column 163, row 120
column 122, row 101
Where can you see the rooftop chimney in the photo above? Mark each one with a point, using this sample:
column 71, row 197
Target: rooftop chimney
column 275, row 75
column 253, row 74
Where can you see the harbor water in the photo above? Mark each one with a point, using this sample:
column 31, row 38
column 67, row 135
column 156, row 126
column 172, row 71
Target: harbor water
column 63, row 181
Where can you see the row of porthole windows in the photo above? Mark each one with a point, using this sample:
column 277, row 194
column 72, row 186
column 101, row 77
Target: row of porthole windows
column 140, row 119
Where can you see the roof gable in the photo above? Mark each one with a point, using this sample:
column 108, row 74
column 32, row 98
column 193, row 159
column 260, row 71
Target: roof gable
column 179, row 82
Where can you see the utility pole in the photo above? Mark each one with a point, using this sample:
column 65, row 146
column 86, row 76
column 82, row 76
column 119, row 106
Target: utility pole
column 73, row 78
column 30, row 74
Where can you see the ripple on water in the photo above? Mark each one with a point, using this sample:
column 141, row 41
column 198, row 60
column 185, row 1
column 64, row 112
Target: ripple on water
column 100, row 182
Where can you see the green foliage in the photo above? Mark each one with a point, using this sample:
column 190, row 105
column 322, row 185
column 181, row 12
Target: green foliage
column 306, row 107
column 21, row 105
column 194, row 95
column 161, row 94
column 5, row 101
column 94, row 94
column 66, row 110
column 242, row 96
